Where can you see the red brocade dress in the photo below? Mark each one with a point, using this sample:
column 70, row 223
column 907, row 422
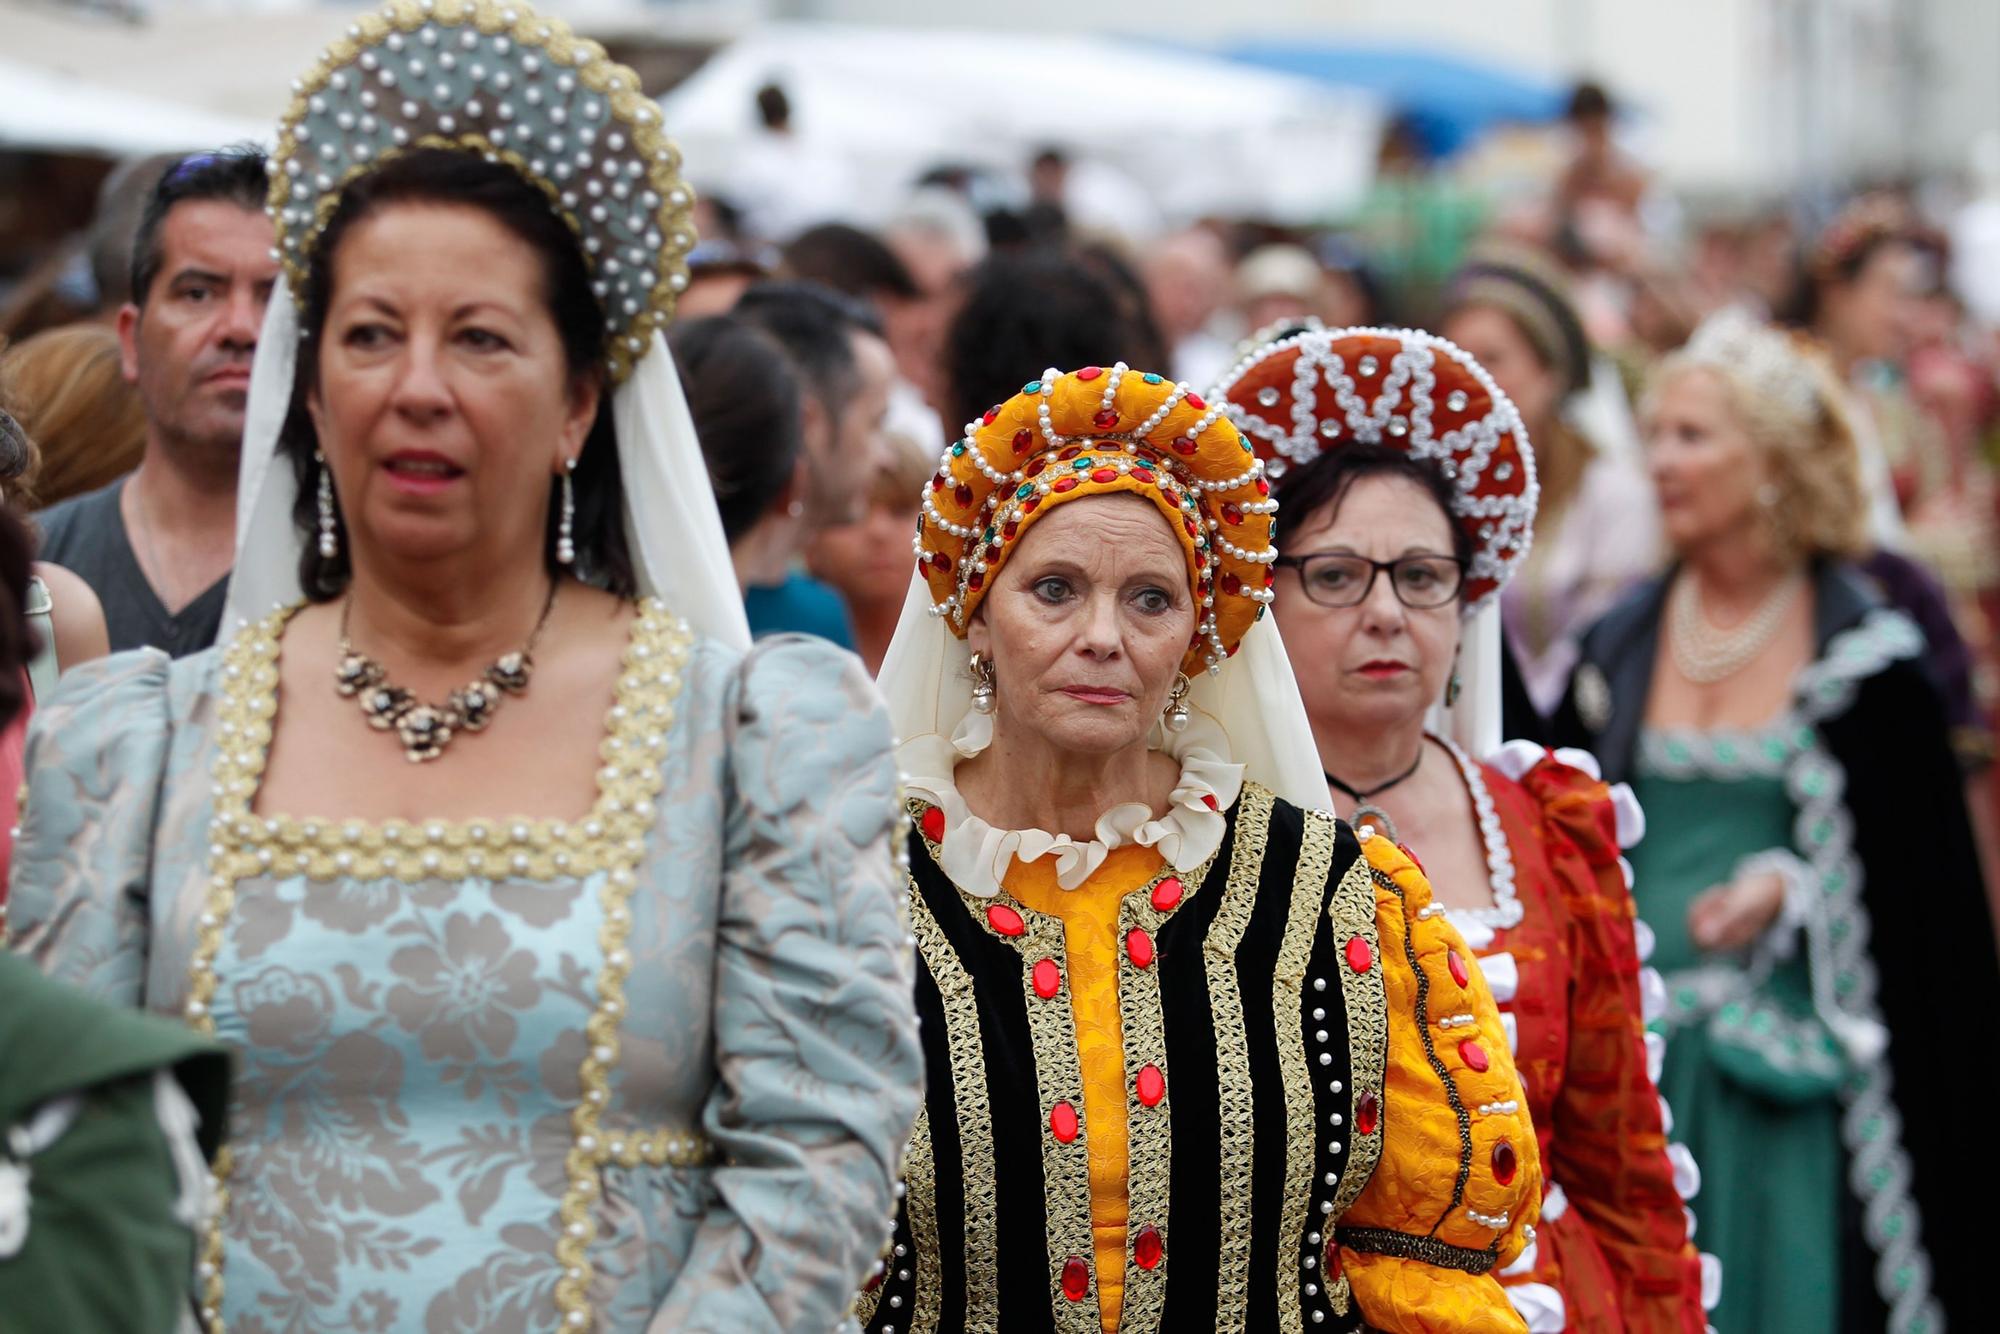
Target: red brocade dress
column 1561, row 949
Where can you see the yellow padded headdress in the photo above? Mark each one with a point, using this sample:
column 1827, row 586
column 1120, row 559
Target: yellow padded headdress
column 1094, row 432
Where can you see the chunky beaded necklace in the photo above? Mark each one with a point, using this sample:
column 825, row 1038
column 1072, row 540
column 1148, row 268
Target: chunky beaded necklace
column 425, row 729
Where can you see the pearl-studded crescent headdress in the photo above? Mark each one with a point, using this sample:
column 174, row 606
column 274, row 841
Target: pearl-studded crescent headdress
column 495, row 78
column 499, row 79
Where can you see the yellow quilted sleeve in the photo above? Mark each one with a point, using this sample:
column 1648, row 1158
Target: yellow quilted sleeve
column 1459, row 1185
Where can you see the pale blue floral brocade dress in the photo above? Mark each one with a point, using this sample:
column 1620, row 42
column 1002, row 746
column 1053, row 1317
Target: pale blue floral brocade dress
column 649, row 1069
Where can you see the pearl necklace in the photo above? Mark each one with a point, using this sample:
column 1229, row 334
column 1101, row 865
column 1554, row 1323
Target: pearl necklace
column 1704, row 654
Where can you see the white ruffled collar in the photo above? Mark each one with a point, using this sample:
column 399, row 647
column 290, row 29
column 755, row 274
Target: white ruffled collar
column 976, row 856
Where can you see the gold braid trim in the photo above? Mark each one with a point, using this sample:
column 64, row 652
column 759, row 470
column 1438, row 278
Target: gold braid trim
column 1236, row 1100
column 1149, row 1130
column 975, row 1126
column 1382, row 1241
column 1364, row 997
column 1437, row 1065
column 611, row 838
column 1316, row 846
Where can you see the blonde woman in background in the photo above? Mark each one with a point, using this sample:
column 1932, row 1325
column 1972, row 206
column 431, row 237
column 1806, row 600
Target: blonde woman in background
column 1809, row 871
column 68, row 391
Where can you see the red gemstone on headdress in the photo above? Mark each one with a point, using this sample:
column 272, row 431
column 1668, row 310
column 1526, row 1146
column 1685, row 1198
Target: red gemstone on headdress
column 1195, row 401
column 1151, row 1086
column 1147, row 1248
column 1089, row 373
column 1263, row 487
column 1064, row 484
column 1270, row 576
column 1231, row 651
column 1231, row 584
column 1008, row 529
column 1063, row 1123
column 1505, row 1163
column 1359, row 956
column 1139, row 948
column 1023, row 441
column 941, row 562
column 923, row 563
column 1070, row 453
column 1232, row 514
column 933, row 824
column 991, row 415
column 937, row 482
column 1048, row 978
column 1367, row 1114
column 975, row 580
column 1183, row 445
column 1035, row 466
column 1143, row 474
column 963, row 495
column 1075, row 1278
column 1106, row 419
column 1474, row 1056
column 1104, row 475
column 1028, row 506
column 1167, row 895
column 1005, row 920
column 1459, row 972
column 1188, row 524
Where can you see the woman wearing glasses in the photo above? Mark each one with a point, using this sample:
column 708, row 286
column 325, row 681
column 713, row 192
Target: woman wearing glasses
column 1409, row 489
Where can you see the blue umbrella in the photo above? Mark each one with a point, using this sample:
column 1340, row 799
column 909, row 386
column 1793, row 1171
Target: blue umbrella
column 1448, row 101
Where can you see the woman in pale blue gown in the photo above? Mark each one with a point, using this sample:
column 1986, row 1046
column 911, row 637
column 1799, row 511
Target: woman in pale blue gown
column 579, row 998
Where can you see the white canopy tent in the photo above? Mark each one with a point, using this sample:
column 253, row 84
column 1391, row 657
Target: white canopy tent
column 1198, row 135
column 43, row 111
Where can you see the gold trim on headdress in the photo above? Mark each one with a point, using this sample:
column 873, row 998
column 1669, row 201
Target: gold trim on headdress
column 498, row 79
column 1093, row 432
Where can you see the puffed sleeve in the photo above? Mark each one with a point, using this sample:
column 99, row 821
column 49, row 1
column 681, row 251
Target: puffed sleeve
column 1609, row 1149
column 1456, row 1192
column 819, row 1071
column 96, row 763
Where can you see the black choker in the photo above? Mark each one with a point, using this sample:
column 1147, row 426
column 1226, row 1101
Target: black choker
column 1363, row 812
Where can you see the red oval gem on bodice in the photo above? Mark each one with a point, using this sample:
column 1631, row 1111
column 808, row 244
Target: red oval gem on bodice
column 1367, row 1114
column 1359, row 956
column 934, row 824
column 1005, row 920
column 1147, row 1248
column 1505, row 1162
column 1062, row 1122
column 1139, row 948
column 1075, row 1278
column 1151, row 1086
column 1459, row 972
column 1048, row 979
column 1167, row 894
column 1473, row 1055
column 1332, row 1267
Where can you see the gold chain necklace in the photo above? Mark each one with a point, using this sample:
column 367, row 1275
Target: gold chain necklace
column 426, row 729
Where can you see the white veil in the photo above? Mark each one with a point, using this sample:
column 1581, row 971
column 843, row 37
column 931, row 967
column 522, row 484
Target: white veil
column 678, row 551
column 1254, row 701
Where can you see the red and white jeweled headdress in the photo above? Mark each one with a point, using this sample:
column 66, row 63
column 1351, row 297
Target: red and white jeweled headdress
column 1302, row 395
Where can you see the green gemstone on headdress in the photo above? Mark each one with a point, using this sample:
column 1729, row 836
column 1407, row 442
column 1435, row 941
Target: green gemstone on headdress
column 1032, row 387
column 1027, row 489
column 1244, row 441
column 1084, row 464
column 1151, row 379
column 958, row 450
column 989, row 534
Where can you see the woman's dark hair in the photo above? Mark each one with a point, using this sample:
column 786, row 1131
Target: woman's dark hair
column 1823, row 267
column 744, row 397
column 1027, row 311
column 1324, row 483
column 453, row 177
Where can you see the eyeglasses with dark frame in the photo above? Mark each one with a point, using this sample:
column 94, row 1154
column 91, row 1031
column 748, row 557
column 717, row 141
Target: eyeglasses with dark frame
column 1341, row 579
